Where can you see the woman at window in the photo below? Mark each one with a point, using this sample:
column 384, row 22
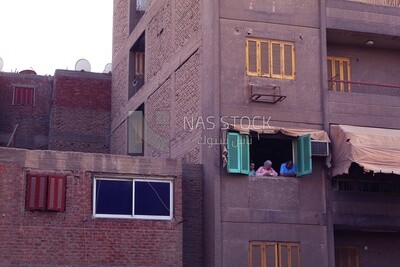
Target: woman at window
column 266, row 170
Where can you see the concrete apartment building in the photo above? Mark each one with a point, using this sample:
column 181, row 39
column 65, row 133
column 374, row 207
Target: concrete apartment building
column 219, row 83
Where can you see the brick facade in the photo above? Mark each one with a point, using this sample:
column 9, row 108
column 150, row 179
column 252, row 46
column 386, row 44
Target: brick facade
column 74, row 237
column 80, row 114
column 33, row 121
column 70, row 112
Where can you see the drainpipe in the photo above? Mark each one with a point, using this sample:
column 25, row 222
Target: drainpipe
column 327, row 190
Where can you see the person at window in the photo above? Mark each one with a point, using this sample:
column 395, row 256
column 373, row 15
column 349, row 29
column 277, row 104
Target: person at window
column 288, row 169
column 266, row 170
column 252, row 172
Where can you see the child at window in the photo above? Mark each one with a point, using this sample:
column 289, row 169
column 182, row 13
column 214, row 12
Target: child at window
column 252, row 172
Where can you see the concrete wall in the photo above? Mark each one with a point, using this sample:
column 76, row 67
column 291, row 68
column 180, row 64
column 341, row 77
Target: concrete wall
column 80, row 113
column 33, row 121
column 354, row 16
column 74, row 237
column 283, row 209
column 303, row 30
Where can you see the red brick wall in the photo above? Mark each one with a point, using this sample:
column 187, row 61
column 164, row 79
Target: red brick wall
column 33, row 121
column 73, row 237
column 80, row 115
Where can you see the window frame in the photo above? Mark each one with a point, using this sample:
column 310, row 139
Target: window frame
column 238, row 157
column 31, row 102
column 348, row 252
column 270, row 73
column 133, row 216
column 277, row 250
column 341, row 61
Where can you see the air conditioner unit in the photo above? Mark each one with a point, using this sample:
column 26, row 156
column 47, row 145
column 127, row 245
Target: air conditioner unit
column 319, row 148
column 141, row 5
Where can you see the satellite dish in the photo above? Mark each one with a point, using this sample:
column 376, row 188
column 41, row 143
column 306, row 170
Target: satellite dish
column 1, row 64
column 107, row 68
column 82, row 65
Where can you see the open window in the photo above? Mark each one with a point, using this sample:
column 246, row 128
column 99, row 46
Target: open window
column 137, row 66
column 260, row 147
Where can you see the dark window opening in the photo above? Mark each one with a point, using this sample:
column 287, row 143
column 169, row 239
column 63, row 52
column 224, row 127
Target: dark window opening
column 113, row 197
column 276, row 148
column 136, row 132
column 137, row 66
column 152, row 198
column 133, row 198
column 357, row 180
column 136, row 11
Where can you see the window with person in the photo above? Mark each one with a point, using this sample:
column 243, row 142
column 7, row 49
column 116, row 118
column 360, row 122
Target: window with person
column 271, row 154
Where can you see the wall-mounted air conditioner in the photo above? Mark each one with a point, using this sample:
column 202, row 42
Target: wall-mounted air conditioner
column 319, row 148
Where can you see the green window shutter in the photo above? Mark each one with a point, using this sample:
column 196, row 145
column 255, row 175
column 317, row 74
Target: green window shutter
column 234, row 152
column 245, row 154
column 303, row 155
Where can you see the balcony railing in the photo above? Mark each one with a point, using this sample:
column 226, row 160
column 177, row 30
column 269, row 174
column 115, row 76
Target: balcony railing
column 393, row 3
column 380, row 186
column 363, row 87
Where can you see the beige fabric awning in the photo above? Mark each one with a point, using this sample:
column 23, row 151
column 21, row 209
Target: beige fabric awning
column 374, row 149
column 295, row 132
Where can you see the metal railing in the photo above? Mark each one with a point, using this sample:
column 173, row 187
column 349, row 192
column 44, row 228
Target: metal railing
column 378, row 186
column 393, row 3
column 363, row 87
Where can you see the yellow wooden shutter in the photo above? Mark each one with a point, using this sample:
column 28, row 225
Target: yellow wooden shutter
column 139, row 63
column 276, row 60
column 271, row 255
column 288, row 61
column 264, row 61
column 255, row 254
column 347, row 257
column 251, row 57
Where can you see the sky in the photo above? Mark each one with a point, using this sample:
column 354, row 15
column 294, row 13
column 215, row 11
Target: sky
column 45, row 35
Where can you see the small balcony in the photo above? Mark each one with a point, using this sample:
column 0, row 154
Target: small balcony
column 344, row 86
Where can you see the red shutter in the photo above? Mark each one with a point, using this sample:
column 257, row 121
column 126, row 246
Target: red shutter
column 56, row 193
column 36, row 192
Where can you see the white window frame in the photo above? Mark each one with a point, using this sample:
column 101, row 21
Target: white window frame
column 133, row 216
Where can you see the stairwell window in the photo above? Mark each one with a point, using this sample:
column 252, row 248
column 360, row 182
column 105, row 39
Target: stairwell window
column 274, row 254
column 270, row 59
column 136, row 131
column 339, row 74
